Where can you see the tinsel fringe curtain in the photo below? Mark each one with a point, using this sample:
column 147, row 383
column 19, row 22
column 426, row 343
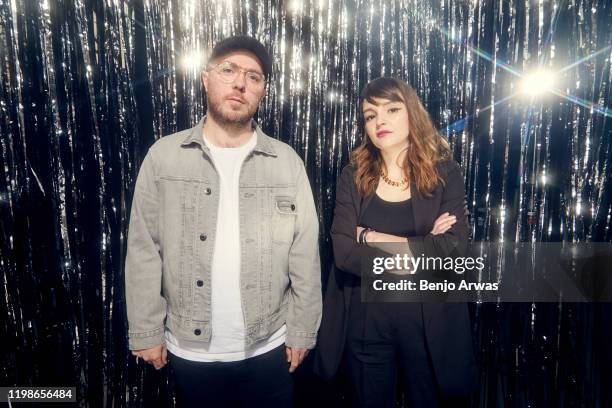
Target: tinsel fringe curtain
column 521, row 89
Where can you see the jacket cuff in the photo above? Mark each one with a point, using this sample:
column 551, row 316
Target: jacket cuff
column 146, row 340
column 299, row 339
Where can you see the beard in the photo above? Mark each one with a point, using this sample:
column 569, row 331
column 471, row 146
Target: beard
column 229, row 117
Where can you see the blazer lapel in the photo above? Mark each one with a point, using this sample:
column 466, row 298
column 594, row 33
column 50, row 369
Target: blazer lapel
column 422, row 211
column 363, row 205
column 360, row 203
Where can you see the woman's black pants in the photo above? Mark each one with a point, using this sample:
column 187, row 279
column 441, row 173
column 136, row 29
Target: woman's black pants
column 382, row 338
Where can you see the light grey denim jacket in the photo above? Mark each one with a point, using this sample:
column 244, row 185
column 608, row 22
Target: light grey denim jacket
column 172, row 233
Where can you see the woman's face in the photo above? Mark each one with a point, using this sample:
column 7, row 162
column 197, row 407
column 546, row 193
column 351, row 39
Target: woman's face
column 386, row 124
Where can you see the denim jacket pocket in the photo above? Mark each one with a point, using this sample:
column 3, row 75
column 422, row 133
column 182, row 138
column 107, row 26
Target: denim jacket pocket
column 283, row 218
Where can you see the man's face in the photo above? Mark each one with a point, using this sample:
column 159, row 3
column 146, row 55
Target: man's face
column 235, row 102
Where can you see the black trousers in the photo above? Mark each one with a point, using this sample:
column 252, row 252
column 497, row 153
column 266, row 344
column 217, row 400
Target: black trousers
column 382, row 339
column 260, row 381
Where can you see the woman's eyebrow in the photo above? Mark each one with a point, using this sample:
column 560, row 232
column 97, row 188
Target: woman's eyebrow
column 381, row 104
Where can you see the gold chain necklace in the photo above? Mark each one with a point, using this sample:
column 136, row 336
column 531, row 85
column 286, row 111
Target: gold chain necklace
column 392, row 182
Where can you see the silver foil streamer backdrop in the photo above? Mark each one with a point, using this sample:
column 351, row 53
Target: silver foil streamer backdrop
column 87, row 86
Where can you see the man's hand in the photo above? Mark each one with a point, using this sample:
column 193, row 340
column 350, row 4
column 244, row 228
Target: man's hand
column 295, row 356
column 157, row 356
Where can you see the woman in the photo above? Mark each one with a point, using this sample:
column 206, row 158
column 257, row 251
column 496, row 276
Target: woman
column 401, row 186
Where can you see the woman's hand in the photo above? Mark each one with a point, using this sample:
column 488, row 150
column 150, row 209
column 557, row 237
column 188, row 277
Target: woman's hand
column 359, row 229
column 443, row 223
column 375, row 236
column 370, row 236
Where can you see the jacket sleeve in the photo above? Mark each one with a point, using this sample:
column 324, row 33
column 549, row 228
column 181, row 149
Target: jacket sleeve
column 305, row 304
column 454, row 242
column 347, row 252
column 146, row 307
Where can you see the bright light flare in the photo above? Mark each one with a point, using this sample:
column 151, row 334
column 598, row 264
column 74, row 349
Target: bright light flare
column 193, row 61
column 296, row 6
column 538, row 83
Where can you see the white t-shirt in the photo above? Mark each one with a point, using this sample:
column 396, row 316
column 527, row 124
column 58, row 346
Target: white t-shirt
column 228, row 332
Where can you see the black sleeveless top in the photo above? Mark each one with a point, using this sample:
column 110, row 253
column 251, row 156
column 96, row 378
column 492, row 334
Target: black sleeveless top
column 389, row 217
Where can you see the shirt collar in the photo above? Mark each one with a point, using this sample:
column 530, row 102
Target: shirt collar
column 263, row 145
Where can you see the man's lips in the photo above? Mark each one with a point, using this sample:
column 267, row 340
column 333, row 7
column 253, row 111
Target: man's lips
column 382, row 133
column 236, row 99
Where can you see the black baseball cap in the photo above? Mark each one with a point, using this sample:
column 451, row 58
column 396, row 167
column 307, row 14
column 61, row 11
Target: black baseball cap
column 243, row 42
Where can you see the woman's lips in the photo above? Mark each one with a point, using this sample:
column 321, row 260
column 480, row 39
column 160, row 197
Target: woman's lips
column 382, row 133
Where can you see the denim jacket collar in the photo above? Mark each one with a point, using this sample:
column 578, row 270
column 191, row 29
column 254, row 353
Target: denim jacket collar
column 263, row 141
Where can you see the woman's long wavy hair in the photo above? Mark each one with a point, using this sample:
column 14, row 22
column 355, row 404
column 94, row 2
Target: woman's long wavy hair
column 425, row 145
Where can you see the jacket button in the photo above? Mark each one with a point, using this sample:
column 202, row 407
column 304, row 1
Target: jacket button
column 208, row 191
column 199, row 283
column 292, row 207
column 203, row 237
column 197, row 332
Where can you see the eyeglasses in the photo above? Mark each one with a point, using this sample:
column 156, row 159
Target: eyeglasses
column 228, row 72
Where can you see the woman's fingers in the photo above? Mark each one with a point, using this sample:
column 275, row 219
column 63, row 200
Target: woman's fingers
column 443, row 220
column 441, row 217
column 447, row 222
column 444, row 217
column 443, row 223
column 444, row 226
column 440, row 230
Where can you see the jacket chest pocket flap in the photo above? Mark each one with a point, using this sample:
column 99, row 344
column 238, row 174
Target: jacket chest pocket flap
column 284, row 215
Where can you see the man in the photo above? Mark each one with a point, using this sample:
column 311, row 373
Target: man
column 222, row 267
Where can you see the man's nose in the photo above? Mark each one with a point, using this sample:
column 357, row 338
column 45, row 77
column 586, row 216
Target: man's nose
column 240, row 81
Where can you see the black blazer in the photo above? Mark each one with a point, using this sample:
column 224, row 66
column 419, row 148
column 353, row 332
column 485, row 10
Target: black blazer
column 447, row 325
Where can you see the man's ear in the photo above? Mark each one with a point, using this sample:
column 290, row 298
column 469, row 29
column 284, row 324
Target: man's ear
column 205, row 79
column 264, row 92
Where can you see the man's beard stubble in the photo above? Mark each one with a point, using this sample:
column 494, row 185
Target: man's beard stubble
column 233, row 120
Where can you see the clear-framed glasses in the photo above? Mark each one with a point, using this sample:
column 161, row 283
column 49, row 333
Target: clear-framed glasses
column 228, row 72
